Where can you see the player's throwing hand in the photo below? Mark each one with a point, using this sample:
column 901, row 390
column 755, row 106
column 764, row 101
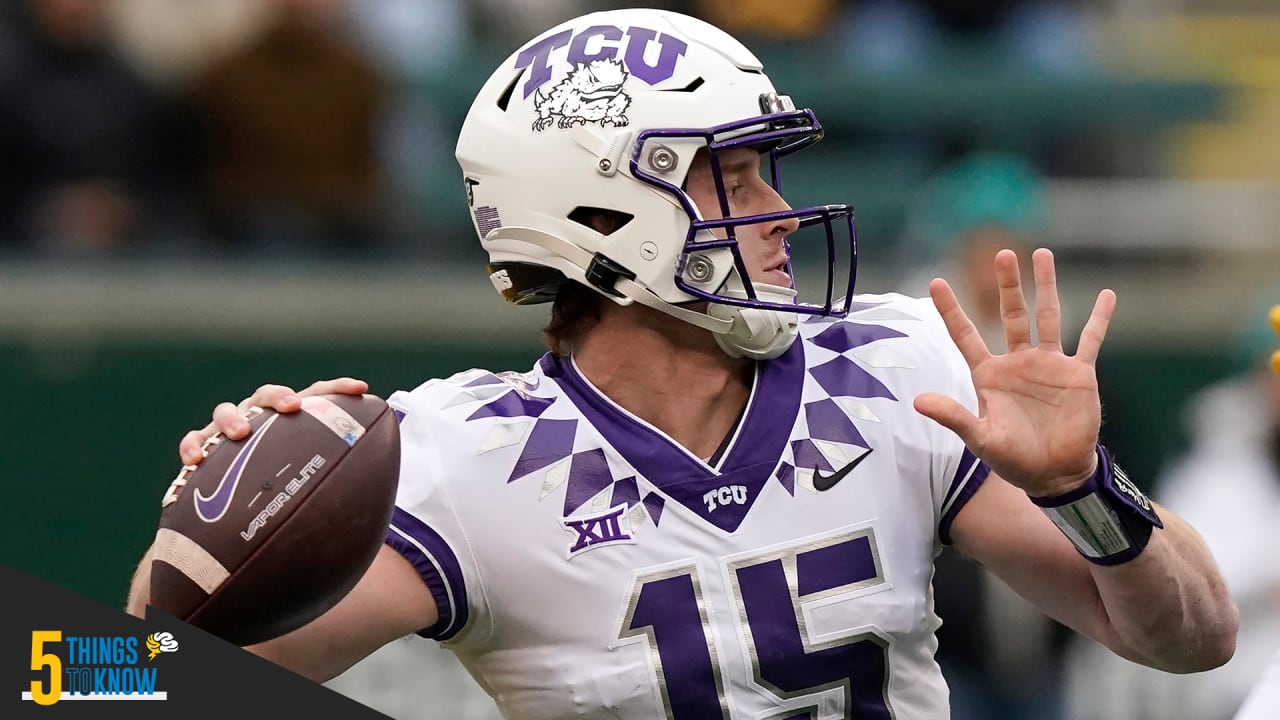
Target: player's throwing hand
column 229, row 419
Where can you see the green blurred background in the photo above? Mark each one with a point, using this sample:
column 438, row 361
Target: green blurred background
column 90, row 442
column 1149, row 128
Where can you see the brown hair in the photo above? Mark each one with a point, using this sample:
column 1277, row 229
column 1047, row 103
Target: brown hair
column 577, row 308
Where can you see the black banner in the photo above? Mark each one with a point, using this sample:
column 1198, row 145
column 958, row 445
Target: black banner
column 66, row 656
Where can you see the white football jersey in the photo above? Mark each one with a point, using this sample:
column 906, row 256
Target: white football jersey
column 585, row 565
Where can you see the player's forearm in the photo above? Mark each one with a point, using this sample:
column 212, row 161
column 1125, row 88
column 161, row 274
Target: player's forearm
column 140, row 587
column 1170, row 605
column 311, row 659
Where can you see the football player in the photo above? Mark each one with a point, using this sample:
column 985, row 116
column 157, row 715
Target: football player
column 715, row 497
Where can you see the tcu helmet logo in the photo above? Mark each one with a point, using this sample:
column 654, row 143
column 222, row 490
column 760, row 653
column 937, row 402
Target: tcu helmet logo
column 592, row 88
column 591, row 93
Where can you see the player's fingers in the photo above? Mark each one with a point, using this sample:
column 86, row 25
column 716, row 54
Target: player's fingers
column 1013, row 304
column 339, row 386
column 1095, row 331
column 950, row 414
column 190, row 448
column 276, row 397
column 229, row 420
column 1048, row 307
column 959, row 326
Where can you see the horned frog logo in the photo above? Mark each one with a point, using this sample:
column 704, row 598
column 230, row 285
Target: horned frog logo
column 591, row 93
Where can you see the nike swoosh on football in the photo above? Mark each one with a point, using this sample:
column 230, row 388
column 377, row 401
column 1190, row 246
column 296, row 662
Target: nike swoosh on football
column 822, row 483
column 212, row 508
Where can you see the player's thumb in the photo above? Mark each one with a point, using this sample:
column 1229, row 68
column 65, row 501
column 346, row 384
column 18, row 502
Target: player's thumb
column 949, row 414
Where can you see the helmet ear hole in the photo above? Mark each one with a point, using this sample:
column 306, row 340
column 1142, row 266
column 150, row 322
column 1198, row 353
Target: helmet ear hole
column 602, row 220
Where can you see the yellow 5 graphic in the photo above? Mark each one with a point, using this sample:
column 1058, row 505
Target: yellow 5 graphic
column 41, row 659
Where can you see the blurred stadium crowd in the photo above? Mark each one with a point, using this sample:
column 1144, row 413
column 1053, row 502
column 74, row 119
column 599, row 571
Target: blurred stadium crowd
column 324, row 129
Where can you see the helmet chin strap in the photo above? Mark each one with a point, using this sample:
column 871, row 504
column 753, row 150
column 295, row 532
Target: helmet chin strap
column 740, row 332
column 756, row 333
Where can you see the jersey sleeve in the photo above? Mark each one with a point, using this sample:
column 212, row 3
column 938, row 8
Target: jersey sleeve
column 957, row 472
column 425, row 527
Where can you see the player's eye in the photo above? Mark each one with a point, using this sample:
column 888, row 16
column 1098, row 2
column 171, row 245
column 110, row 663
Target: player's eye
column 737, row 189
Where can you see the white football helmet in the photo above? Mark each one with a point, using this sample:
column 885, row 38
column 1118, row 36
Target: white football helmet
column 607, row 111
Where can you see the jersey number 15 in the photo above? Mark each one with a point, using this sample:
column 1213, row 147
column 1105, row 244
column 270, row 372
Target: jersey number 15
column 667, row 607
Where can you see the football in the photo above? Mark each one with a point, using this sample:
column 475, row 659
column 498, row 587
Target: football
column 271, row 531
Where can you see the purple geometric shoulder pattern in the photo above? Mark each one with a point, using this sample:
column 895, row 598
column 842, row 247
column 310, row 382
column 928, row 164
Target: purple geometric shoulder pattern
column 547, row 453
column 566, row 448
column 831, row 440
column 720, row 493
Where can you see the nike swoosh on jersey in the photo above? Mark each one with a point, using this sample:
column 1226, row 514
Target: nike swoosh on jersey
column 822, row 483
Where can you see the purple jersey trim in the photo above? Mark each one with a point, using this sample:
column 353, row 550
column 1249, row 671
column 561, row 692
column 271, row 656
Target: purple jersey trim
column 969, row 476
column 439, row 569
column 750, row 461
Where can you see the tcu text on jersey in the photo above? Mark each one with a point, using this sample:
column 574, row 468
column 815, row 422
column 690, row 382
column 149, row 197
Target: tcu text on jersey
column 736, row 494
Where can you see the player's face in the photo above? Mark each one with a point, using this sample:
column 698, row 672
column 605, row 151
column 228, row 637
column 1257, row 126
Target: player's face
column 762, row 245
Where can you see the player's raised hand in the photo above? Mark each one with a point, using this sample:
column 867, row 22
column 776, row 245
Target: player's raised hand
column 229, row 419
column 1038, row 408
